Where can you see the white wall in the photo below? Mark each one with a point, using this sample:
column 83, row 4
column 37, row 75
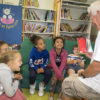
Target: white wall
column 90, row 1
column 0, row 1
column 46, row 4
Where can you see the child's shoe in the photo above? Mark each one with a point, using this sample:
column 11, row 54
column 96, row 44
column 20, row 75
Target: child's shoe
column 41, row 89
column 50, row 98
column 59, row 98
column 32, row 88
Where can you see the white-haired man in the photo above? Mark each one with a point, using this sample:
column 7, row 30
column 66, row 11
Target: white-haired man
column 87, row 83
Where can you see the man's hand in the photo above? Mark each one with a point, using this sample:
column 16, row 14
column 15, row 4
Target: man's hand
column 93, row 69
column 89, row 54
column 80, row 72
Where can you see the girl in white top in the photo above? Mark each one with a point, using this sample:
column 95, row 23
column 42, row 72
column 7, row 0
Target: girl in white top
column 10, row 62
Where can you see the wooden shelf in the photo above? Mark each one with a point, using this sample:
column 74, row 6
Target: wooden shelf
column 40, row 21
column 77, row 2
column 74, row 32
column 32, row 7
column 75, row 20
column 40, row 33
column 75, row 6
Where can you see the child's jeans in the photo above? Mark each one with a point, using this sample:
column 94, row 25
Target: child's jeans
column 20, row 85
column 47, row 75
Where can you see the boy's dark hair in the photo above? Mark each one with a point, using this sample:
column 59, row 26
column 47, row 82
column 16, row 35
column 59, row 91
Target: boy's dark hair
column 2, row 42
column 75, row 46
column 58, row 37
column 34, row 39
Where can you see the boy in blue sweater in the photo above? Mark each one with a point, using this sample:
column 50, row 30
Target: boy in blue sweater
column 38, row 61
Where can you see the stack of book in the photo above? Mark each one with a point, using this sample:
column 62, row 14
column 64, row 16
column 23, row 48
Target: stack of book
column 65, row 27
column 65, row 13
column 81, row 28
column 34, row 3
column 49, row 16
column 31, row 15
column 39, row 28
column 84, row 16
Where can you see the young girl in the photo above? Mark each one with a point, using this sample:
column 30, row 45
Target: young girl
column 10, row 61
column 58, row 57
column 38, row 61
column 75, row 62
column 4, row 48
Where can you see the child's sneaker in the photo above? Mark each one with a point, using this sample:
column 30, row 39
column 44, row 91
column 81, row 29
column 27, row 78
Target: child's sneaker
column 50, row 98
column 41, row 89
column 59, row 98
column 32, row 88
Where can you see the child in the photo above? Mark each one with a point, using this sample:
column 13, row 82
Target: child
column 38, row 61
column 75, row 62
column 4, row 48
column 10, row 61
column 58, row 57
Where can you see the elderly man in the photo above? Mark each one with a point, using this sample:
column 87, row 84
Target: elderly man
column 87, row 83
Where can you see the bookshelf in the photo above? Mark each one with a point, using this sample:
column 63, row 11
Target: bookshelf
column 38, row 20
column 74, row 19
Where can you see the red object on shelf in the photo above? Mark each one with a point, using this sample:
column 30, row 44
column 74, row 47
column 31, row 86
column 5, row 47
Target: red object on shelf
column 82, row 45
column 83, row 99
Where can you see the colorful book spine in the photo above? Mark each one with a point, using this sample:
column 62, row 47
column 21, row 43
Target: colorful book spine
column 45, row 29
column 36, row 15
column 36, row 3
column 30, row 2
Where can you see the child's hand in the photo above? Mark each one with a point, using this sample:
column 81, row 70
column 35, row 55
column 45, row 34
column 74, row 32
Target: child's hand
column 58, row 75
column 54, row 81
column 61, row 79
column 18, row 76
column 40, row 70
column 75, row 61
column 78, row 60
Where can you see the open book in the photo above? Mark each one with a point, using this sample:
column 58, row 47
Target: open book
column 84, row 45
